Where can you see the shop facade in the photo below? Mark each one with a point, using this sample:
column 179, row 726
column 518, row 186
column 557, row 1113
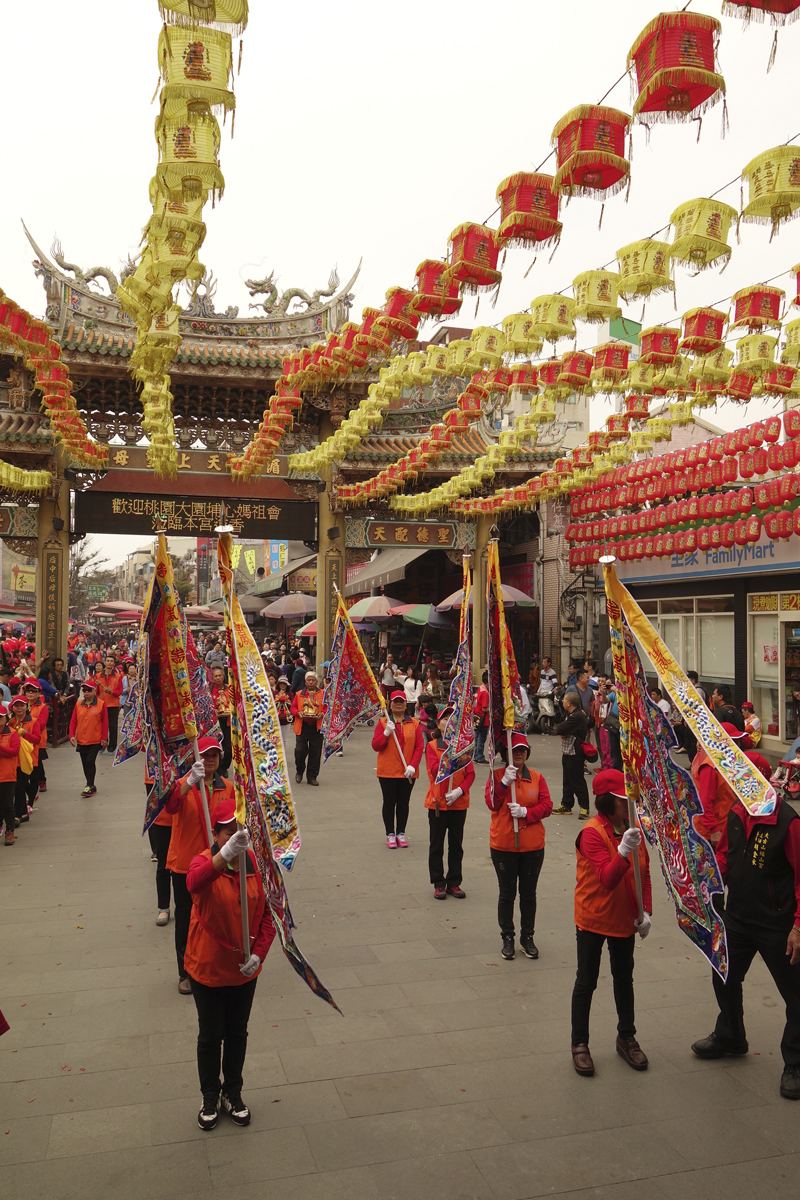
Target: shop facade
column 734, row 617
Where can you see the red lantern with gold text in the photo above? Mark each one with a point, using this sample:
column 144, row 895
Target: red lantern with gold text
column 474, row 251
column 373, row 334
column 779, row 12
column 528, row 210
column 659, row 345
column 399, row 313
column 757, row 307
column 576, row 369
column 676, row 67
column 525, row 378
column 702, row 330
column 436, row 295
column 590, row 150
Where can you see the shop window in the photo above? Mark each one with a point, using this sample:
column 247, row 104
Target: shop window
column 715, row 604
column 650, row 607
column 677, row 606
column 765, row 671
column 715, row 645
column 791, row 658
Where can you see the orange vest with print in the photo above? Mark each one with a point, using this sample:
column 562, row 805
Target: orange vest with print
column 390, row 765
column 8, row 762
column 725, row 797
column 89, row 727
column 501, row 833
column 435, row 797
column 308, row 704
column 189, row 835
column 214, row 946
column 598, row 910
column 36, row 712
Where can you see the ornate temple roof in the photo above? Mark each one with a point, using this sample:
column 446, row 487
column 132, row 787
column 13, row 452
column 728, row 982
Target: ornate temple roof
column 99, row 341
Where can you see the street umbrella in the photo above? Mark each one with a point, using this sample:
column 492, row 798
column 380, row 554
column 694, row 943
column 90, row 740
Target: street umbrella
column 422, row 614
column 310, row 630
column 293, row 605
column 512, row 598
column 373, row 608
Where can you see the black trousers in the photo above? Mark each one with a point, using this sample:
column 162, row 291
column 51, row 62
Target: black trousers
column 744, row 942
column 308, row 746
column 396, row 799
column 89, row 761
column 227, row 748
column 573, row 781
column 620, row 953
column 160, row 838
column 25, row 790
column 181, row 916
column 8, row 793
column 222, row 1016
column 517, row 867
column 113, row 727
column 451, row 823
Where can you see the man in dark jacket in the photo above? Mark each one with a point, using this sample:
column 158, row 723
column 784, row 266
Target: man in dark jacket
column 724, row 708
column 572, row 731
column 759, row 858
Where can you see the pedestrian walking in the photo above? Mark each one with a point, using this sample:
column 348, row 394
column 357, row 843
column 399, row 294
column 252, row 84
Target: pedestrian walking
column 88, row 732
column 221, row 695
column 40, row 714
column 396, row 772
column 572, row 731
column 517, row 866
column 481, row 718
column 607, row 910
column 9, row 761
column 160, row 835
column 307, row 710
column 109, row 691
column 447, row 803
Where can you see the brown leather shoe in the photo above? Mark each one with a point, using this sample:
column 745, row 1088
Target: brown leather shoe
column 185, row 986
column 582, row 1060
column 631, row 1051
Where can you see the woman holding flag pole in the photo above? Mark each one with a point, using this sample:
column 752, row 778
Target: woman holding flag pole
column 398, row 766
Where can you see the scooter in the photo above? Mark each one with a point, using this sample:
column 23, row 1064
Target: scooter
column 544, row 714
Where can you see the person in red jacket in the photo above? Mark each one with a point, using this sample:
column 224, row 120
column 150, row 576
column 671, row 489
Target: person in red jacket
column 23, row 723
column 224, row 974
column 606, row 910
column 307, row 710
column 397, row 768
column 88, row 731
column 9, row 760
column 481, row 718
column 109, row 690
column 745, row 744
column 190, row 837
column 517, row 864
column 40, row 714
column 716, row 794
column 447, row 805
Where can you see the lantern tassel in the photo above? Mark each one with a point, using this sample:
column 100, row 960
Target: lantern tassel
column 773, row 52
column 699, row 121
column 158, row 85
column 239, row 68
column 602, row 210
column 533, row 264
column 552, row 256
column 726, row 124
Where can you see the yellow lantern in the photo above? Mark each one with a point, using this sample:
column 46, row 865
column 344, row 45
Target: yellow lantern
column 791, row 353
column 644, row 269
column 674, row 379
column 642, row 378
column 553, row 317
column 756, row 352
column 196, row 64
column 640, row 441
column 701, row 232
column 712, row 368
column 436, row 360
column 773, row 180
column 658, row 428
column 457, row 354
column 680, row 413
column 487, row 347
column 232, row 14
column 189, row 157
column 595, row 295
column 517, row 330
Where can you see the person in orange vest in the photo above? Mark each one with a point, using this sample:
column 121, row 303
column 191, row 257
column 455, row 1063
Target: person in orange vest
column 159, row 833
column 23, row 723
column 517, row 865
column 447, row 805
column 221, row 695
column 88, row 731
column 9, row 760
column 109, row 690
column 223, row 974
column 190, row 837
column 395, row 775
column 607, row 910
column 307, row 710
column 716, row 794
column 40, row 714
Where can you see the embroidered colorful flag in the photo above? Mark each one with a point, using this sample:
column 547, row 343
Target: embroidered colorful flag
column 260, row 777
column 352, row 695
column 459, row 733
column 666, row 798
column 505, row 698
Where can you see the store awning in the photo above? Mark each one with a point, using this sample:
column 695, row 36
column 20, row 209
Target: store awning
column 388, row 567
column 274, row 582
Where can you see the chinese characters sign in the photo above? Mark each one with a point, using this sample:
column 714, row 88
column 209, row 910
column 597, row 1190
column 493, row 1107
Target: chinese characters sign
column 764, row 603
column 110, row 512
column 52, row 566
column 410, row 533
column 203, row 462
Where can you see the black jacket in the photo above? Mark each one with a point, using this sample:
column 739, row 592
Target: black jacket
column 574, row 726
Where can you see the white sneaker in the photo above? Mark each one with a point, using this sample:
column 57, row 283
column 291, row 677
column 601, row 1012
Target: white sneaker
column 163, row 917
column 391, row 841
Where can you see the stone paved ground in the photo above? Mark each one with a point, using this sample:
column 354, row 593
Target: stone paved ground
column 449, row 1074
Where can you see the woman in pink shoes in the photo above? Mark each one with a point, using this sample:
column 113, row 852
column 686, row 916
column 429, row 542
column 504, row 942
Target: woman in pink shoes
column 398, row 741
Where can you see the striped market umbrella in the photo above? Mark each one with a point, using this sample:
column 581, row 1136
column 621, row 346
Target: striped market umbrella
column 373, row 608
column 422, row 614
column 293, row 605
column 512, row 598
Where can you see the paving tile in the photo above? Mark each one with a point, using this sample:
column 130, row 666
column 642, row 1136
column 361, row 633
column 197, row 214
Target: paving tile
column 150, row 1173
column 448, row 1175
column 24, row 1140
column 254, row 1156
column 95, row 1130
column 362, row 1058
column 393, row 1091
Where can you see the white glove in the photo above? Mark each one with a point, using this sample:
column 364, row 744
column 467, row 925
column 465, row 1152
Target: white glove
column 630, row 840
column 236, row 844
column 197, row 772
column 451, row 797
column 389, row 730
column 518, row 811
column 643, row 927
column 409, row 772
column 509, row 776
column 249, row 968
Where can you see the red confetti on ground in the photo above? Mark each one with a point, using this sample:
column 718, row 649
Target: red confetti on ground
column 83, row 1068
column 23, row 1005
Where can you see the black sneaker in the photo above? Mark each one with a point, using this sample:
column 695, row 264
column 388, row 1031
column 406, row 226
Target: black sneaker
column 790, row 1083
column 712, row 1047
column 236, row 1109
column 508, row 947
column 209, row 1114
column 527, row 946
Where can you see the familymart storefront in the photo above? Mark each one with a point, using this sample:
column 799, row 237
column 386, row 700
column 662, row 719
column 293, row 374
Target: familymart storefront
column 734, row 617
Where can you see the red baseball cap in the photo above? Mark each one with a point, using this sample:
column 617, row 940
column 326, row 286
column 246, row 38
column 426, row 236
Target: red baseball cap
column 609, row 781
column 225, row 812
column 733, row 733
column 398, row 696
column 747, row 704
column 207, row 744
column 90, row 684
column 3, row 710
column 32, row 683
column 18, row 700
column 447, row 711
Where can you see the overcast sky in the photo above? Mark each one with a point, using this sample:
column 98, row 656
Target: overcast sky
column 372, row 130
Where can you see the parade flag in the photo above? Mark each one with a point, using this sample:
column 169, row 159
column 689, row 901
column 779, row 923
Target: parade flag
column 260, row 776
column 352, row 695
column 666, row 799
column 459, row 734
column 172, row 704
column 505, row 699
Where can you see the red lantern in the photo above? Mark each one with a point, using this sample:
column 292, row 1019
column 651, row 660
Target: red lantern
column 740, row 384
column 771, row 525
column 576, row 369
column 549, row 372
column 777, row 10
column 659, row 345
column 637, row 407
column 590, row 149
column 617, row 424
column 525, row 378
column 778, row 380
column 680, row 542
column 473, row 254
column 528, row 210
column 702, row 330
column 675, row 58
column 757, row 307
column 436, row 296
column 373, row 334
column 399, row 313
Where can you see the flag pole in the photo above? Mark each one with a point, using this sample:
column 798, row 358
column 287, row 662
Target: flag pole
column 203, row 795
column 507, row 701
column 513, row 786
